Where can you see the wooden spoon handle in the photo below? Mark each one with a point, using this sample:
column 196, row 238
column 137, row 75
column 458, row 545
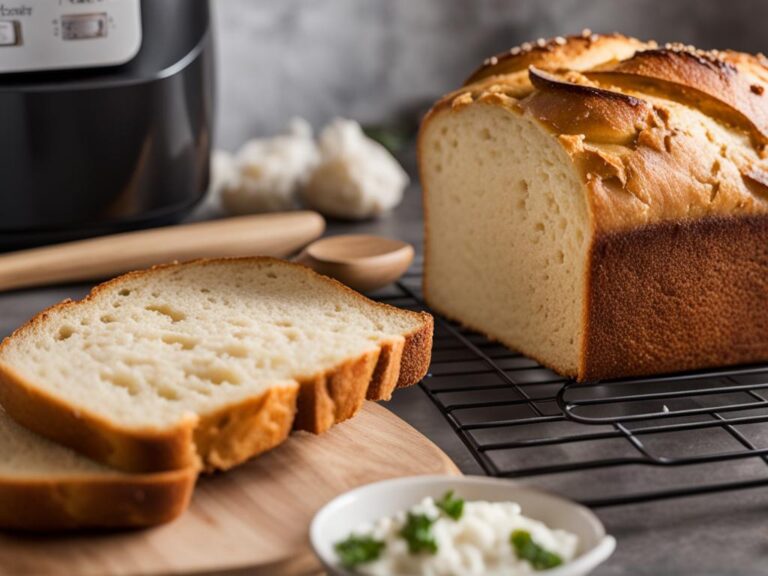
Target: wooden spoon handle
column 263, row 235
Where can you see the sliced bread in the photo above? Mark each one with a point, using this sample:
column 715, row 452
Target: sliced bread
column 206, row 363
column 44, row 486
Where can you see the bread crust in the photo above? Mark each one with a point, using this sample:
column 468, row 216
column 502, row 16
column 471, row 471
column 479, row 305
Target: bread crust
column 235, row 433
column 575, row 108
column 78, row 502
column 230, row 435
column 336, row 396
column 677, row 296
column 706, row 80
column 576, row 52
column 417, row 353
column 387, row 371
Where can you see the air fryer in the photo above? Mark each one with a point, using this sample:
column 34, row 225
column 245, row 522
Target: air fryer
column 105, row 116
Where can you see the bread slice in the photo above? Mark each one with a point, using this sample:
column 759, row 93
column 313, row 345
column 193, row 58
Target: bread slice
column 44, row 486
column 206, row 363
column 601, row 205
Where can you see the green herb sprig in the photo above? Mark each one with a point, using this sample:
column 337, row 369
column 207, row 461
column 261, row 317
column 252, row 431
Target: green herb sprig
column 418, row 533
column 527, row 549
column 357, row 550
column 452, row 507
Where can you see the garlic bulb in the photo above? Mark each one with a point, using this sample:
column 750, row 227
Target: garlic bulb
column 356, row 178
column 270, row 171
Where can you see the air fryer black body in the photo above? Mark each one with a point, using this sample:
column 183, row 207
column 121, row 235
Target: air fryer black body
column 91, row 151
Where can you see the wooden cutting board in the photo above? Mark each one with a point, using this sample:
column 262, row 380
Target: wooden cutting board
column 251, row 520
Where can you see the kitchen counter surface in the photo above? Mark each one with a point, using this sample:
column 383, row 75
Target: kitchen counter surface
column 718, row 534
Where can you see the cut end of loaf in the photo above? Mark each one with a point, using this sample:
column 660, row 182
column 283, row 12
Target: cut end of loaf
column 216, row 351
column 501, row 196
column 553, row 157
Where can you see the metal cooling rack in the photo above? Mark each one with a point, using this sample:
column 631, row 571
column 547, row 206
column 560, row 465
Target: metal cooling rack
column 604, row 444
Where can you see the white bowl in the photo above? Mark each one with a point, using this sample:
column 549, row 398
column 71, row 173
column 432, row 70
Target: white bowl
column 366, row 504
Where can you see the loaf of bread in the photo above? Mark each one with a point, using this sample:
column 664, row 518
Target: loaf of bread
column 206, row 364
column 44, row 486
column 601, row 205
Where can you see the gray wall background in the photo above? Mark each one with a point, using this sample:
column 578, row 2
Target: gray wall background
column 372, row 59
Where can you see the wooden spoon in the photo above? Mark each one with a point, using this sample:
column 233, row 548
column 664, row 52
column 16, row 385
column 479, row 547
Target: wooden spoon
column 359, row 261
column 266, row 234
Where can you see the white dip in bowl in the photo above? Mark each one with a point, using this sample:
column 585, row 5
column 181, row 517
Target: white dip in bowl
column 407, row 527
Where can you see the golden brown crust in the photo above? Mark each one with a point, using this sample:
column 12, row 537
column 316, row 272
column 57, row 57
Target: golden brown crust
column 234, row 434
column 699, row 176
column 677, row 296
column 569, row 107
column 623, row 156
column 705, row 80
column 335, row 395
column 228, row 436
column 506, row 74
column 417, row 353
column 387, row 371
column 119, row 501
column 586, row 50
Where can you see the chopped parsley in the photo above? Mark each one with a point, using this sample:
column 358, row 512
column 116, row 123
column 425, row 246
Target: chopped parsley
column 527, row 549
column 453, row 507
column 357, row 550
column 418, row 533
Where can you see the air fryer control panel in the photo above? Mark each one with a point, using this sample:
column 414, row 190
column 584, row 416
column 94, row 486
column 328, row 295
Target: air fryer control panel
column 59, row 34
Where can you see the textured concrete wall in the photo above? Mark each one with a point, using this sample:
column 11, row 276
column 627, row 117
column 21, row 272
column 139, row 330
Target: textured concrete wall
column 370, row 59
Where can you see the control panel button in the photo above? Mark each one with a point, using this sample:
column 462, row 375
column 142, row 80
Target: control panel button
column 83, row 26
column 9, row 35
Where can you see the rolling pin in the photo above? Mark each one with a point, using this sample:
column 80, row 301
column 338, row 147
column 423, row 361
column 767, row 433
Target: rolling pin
column 276, row 235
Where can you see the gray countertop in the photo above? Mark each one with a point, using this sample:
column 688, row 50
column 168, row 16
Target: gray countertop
column 723, row 533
